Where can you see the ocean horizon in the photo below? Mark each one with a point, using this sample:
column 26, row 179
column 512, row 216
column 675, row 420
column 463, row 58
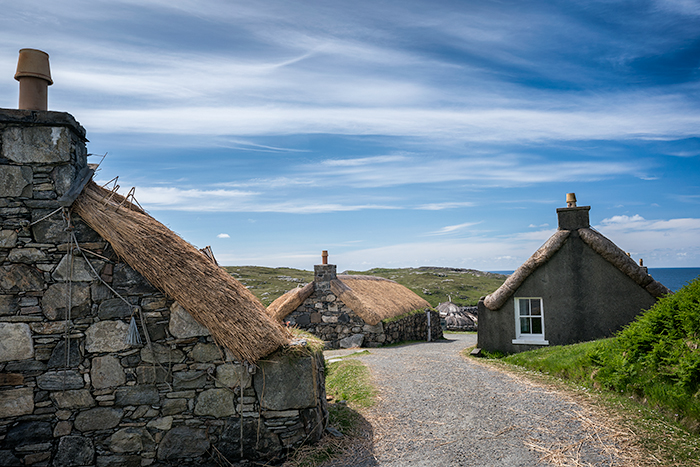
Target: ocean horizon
column 673, row 278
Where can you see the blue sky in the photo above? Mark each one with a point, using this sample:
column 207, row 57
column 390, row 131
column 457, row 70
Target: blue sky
column 391, row 133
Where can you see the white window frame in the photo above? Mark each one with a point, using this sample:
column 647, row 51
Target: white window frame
column 527, row 338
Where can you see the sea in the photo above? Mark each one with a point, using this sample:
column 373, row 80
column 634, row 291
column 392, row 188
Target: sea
column 673, row 278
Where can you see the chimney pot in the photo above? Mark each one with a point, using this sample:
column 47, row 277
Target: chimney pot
column 34, row 76
column 571, row 200
column 324, row 257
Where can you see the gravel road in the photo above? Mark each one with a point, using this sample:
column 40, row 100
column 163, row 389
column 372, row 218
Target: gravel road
column 437, row 408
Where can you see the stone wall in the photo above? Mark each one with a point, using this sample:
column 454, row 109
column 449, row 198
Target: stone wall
column 72, row 390
column 325, row 316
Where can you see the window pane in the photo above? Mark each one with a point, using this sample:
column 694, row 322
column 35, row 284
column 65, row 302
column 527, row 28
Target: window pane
column 524, row 307
column 525, row 325
column 536, row 325
column 535, row 306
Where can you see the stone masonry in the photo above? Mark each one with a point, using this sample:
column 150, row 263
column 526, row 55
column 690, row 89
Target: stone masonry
column 73, row 392
column 326, row 316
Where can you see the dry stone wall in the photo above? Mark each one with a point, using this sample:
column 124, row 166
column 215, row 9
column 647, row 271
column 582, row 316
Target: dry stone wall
column 73, row 390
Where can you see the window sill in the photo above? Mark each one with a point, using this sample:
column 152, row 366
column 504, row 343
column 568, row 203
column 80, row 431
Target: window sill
column 530, row 341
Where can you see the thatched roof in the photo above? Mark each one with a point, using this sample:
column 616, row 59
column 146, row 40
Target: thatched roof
column 234, row 316
column 289, row 302
column 601, row 245
column 371, row 298
column 445, row 308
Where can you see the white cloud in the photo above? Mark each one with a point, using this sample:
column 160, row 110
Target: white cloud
column 453, row 228
column 223, row 235
column 443, row 206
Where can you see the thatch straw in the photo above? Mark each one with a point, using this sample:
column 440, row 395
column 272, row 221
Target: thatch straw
column 624, row 263
column 541, row 256
column 375, row 298
column 280, row 308
column 233, row 315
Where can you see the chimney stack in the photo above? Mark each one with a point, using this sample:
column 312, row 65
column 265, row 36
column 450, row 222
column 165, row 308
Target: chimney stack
column 573, row 217
column 34, row 76
column 324, row 273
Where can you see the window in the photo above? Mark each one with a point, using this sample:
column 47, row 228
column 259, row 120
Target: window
column 529, row 321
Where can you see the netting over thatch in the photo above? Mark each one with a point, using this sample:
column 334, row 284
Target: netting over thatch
column 289, row 302
column 541, row 256
column 371, row 298
column 598, row 243
column 624, row 263
column 233, row 315
column 375, row 298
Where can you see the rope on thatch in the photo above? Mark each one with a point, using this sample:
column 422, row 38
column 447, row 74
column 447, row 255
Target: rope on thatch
column 233, row 315
column 287, row 303
column 615, row 256
column 541, row 256
column 374, row 298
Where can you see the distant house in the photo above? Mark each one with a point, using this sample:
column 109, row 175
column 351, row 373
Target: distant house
column 578, row 286
column 355, row 311
column 458, row 318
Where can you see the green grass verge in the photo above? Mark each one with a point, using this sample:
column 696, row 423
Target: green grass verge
column 349, row 380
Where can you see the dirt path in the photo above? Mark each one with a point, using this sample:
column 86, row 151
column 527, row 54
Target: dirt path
column 438, row 409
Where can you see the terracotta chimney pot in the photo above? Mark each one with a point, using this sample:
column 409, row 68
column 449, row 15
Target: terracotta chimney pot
column 34, row 76
column 324, row 257
column 571, row 200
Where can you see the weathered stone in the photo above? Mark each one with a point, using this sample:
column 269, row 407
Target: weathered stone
column 257, row 441
column 14, row 402
column 174, row 406
column 80, row 270
column 106, row 372
column 37, row 457
column 8, row 459
column 126, row 440
column 62, row 428
column 183, row 325
column 99, row 292
column 106, row 336
column 125, row 278
column 353, row 341
column 231, row 375
column 215, row 402
column 153, row 303
column 206, row 353
column 15, row 342
column 147, row 374
column 329, row 319
column 60, row 380
column 74, row 451
column 55, row 300
column 133, row 460
column 26, row 255
column 33, row 432
column 136, row 395
column 303, row 319
column 315, row 317
column 9, row 305
column 289, row 383
column 15, row 181
column 99, row 418
column 343, row 318
column 114, row 308
column 189, row 379
column 376, row 329
column 182, row 442
column 58, row 355
column 21, row 278
column 37, row 144
column 163, row 354
column 27, row 367
column 63, row 177
column 11, row 379
column 163, row 423
column 8, row 238
column 55, row 327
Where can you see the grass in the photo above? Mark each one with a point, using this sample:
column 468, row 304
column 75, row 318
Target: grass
column 349, row 380
column 435, row 285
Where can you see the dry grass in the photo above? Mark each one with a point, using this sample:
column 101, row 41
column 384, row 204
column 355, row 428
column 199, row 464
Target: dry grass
column 289, row 302
column 234, row 316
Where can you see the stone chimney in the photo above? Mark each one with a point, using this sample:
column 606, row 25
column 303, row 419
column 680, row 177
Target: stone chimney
column 573, row 217
column 324, row 273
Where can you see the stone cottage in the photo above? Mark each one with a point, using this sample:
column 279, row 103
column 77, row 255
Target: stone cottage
column 579, row 286
column 120, row 343
column 356, row 311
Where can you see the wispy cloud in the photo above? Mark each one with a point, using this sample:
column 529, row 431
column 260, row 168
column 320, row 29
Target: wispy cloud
column 449, row 229
column 223, row 235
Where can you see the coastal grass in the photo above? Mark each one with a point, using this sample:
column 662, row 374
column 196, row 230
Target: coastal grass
column 434, row 284
column 349, row 380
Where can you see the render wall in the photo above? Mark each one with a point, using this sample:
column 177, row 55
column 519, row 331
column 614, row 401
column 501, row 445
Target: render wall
column 584, row 298
column 328, row 318
column 72, row 390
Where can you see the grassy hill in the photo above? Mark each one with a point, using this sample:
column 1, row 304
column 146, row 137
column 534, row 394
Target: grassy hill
column 434, row 284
